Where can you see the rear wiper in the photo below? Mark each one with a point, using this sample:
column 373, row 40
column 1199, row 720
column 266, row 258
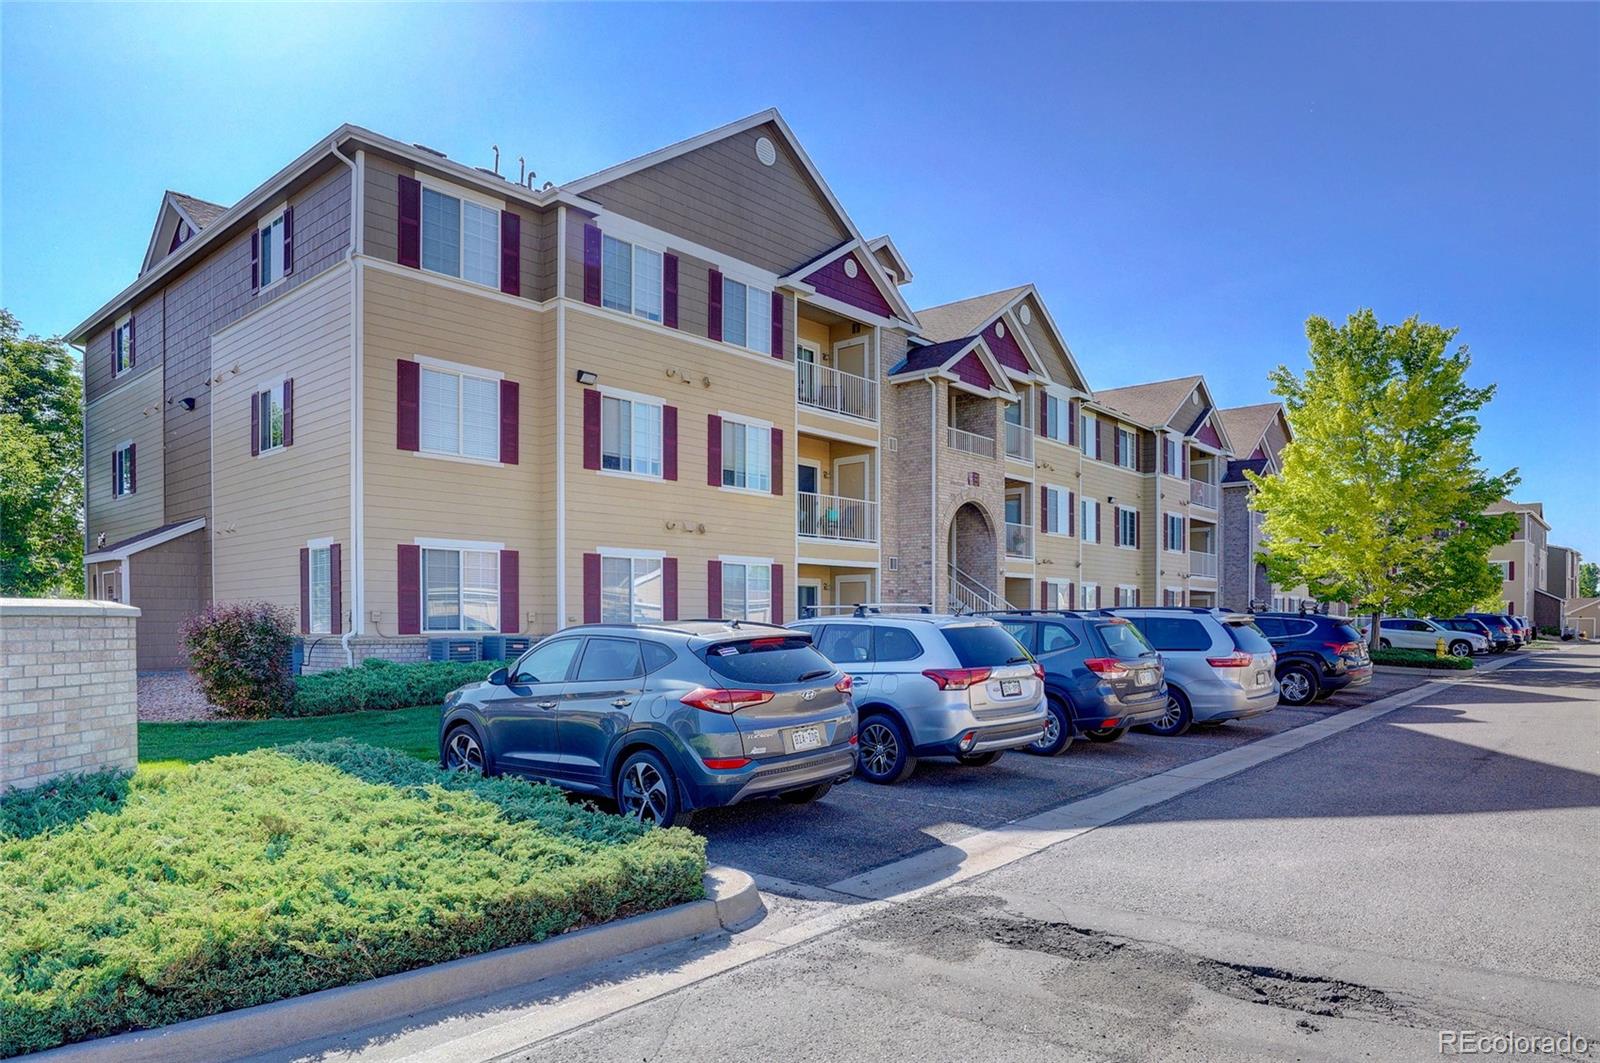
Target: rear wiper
column 818, row 674
column 1150, row 653
column 1016, row 660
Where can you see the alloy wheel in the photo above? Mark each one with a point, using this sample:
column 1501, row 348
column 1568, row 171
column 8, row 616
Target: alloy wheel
column 644, row 793
column 462, row 752
column 1172, row 716
column 1296, row 687
column 1052, row 732
column 1460, row 649
column 879, row 749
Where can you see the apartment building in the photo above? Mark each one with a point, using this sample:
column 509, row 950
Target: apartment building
column 1560, row 586
column 1523, row 561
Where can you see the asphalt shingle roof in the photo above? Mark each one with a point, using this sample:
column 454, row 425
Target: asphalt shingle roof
column 932, row 356
column 1150, row 405
column 1246, row 425
column 202, row 211
column 965, row 317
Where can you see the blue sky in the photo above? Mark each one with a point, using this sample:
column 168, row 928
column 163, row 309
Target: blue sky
column 1185, row 184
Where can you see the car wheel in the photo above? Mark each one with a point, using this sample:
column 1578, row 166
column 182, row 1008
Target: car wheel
column 463, row 751
column 806, row 796
column 1383, row 644
column 883, row 754
column 647, row 791
column 1057, row 735
column 1178, row 717
column 979, row 760
column 1461, row 648
column 1297, row 685
column 1105, row 734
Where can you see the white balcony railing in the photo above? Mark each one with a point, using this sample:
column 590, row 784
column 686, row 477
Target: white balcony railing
column 1203, row 494
column 1201, row 564
column 1019, row 441
column 836, row 391
column 971, row 442
column 836, row 517
column 1019, row 540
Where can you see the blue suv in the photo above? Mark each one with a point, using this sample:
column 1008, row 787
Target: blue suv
column 1317, row 655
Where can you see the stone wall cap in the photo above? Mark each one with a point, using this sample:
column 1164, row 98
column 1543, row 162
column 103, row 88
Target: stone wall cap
column 63, row 607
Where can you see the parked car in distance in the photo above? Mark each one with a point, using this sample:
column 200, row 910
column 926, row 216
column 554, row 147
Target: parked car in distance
column 1100, row 675
column 664, row 719
column 1499, row 636
column 1499, row 626
column 1219, row 666
column 1420, row 633
column 932, row 685
column 1529, row 632
column 1317, row 655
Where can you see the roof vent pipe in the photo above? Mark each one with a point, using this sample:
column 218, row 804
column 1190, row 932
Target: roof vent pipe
column 496, row 149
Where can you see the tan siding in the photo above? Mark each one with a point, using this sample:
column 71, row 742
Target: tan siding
column 1050, row 349
column 1104, row 563
column 266, row 507
column 381, row 202
column 165, row 581
column 132, row 412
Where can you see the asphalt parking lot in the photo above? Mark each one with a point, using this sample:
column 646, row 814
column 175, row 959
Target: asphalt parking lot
column 860, row 826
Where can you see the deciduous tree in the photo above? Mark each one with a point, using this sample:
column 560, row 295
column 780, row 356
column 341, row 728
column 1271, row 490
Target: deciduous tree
column 1589, row 579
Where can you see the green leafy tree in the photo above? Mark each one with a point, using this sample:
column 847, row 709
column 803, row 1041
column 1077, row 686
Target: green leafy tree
column 1381, row 499
column 41, row 470
column 1589, row 579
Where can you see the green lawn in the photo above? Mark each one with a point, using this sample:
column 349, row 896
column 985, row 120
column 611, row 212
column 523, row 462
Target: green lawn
column 414, row 731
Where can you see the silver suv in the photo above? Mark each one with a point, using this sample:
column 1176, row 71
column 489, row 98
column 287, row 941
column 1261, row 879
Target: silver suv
column 1219, row 665
column 930, row 685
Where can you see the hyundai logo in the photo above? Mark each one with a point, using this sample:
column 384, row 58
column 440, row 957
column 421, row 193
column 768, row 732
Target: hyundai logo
column 808, row 695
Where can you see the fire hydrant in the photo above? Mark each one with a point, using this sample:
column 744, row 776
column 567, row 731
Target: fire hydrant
column 1439, row 649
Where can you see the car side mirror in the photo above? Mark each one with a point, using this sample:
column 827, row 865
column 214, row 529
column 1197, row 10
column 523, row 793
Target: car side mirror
column 498, row 677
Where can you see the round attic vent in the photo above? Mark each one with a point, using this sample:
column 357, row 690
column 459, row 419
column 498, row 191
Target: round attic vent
column 1025, row 314
column 1000, row 329
column 850, row 267
column 1194, row 398
column 765, row 151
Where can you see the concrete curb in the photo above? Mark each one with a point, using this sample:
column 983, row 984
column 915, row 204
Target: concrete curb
column 732, row 902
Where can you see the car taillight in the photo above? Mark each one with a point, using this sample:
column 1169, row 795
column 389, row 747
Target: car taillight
column 1345, row 649
column 843, row 685
column 957, row 678
column 724, row 763
column 725, row 700
column 1038, row 672
column 1109, row 667
column 1236, row 659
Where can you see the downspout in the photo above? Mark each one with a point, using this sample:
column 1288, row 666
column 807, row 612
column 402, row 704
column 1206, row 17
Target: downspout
column 83, row 447
column 1160, row 530
column 357, row 551
column 561, row 419
column 933, row 494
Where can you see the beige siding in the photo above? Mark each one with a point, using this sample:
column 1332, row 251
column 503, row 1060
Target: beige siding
column 132, row 412
column 1104, row 562
column 266, row 507
column 1047, row 345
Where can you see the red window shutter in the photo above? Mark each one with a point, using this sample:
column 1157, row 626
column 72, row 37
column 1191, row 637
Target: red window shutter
column 1511, row 570
column 714, row 304
column 1072, row 596
column 288, row 240
column 591, row 588
column 408, row 404
column 777, row 326
column 510, row 253
column 408, row 584
column 1099, row 523
column 1116, row 446
column 1136, row 528
column 510, row 414
column 1072, row 513
column 1166, row 466
column 133, row 347
column 591, row 265
column 408, row 251
column 305, row 590
column 713, row 450
column 669, row 290
column 714, row 588
column 1072, row 421
column 591, row 429
column 669, row 442
column 116, row 473
column 1136, row 596
column 288, row 413
column 1044, row 596
column 669, row 588
column 777, row 461
column 335, row 590
column 510, row 599
column 777, row 594
column 1166, row 534
column 1105, row 427
column 255, row 424
column 133, row 468
column 1044, row 509
column 1185, row 462
column 255, row 260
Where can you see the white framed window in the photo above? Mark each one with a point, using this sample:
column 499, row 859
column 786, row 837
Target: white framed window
column 1057, row 594
column 1056, row 425
column 269, row 418
column 747, row 590
column 1088, row 522
column 270, row 252
column 122, row 346
column 460, row 237
column 1057, row 511
column 1127, row 527
column 630, row 278
column 1127, row 596
column 320, row 622
column 746, row 455
column 747, row 316
column 1173, row 461
column 1172, row 596
column 1127, row 448
column 1091, row 596
column 631, row 589
column 1089, row 434
column 460, row 413
column 460, row 589
column 630, row 435
column 1175, row 533
column 1505, row 570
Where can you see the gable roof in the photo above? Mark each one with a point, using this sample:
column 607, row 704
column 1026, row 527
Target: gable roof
column 1236, row 469
column 200, row 212
column 884, row 247
column 1151, row 405
column 966, row 317
column 178, row 208
column 955, row 360
column 1247, row 425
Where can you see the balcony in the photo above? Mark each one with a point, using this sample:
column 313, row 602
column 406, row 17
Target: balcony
column 1019, row 442
column 836, row 391
column 1019, row 540
column 1202, row 564
column 1203, row 494
column 971, row 443
column 853, row 520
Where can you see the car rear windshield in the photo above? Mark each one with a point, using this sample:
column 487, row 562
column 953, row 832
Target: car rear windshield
column 984, row 646
column 1346, row 633
column 1123, row 640
column 1248, row 637
column 777, row 659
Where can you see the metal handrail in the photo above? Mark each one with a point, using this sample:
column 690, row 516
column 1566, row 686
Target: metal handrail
column 971, row 442
column 837, row 391
column 822, row 516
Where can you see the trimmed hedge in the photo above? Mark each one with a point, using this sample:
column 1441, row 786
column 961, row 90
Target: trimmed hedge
column 60, row 802
column 251, row 878
column 1421, row 659
column 383, row 685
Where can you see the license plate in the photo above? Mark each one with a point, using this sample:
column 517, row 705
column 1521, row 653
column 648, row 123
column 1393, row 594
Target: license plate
column 805, row 738
column 1145, row 679
column 1261, row 679
column 1010, row 688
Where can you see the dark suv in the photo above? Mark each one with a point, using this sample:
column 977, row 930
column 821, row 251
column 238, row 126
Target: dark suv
column 665, row 719
column 1499, row 637
column 1100, row 675
column 1499, row 626
column 1317, row 655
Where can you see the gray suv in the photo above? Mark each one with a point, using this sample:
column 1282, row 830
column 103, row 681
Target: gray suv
column 1219, row 665
column 664, row 718
column 930, row 685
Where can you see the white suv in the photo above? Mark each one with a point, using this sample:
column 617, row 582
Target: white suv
column 1418, row 633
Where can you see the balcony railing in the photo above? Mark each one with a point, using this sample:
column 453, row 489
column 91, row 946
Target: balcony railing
column 836, row 517
column 1202, row 564
column 971, row 442
column 1019, row 540
column 836, row 391
column 1203, row 494
column 1019, row 441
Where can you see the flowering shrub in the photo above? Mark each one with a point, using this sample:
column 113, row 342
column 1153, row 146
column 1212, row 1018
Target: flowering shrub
column 240, row 655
